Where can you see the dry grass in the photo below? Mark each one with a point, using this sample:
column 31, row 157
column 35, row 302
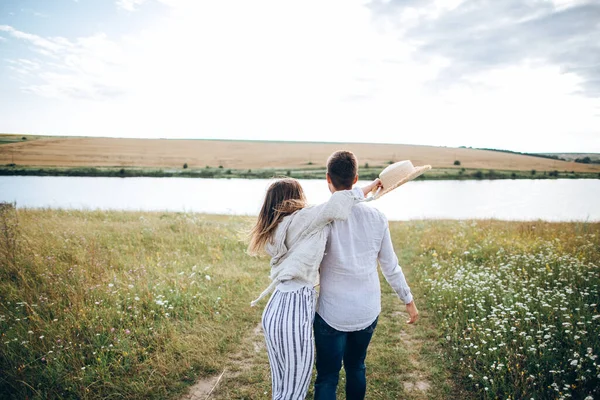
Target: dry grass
column 104, row 152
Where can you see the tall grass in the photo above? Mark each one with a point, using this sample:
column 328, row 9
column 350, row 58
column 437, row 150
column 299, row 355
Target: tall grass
column 119, row 305
column 134, row 305
column 517, row 306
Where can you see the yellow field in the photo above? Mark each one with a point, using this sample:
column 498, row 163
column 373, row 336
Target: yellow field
column 104, row 152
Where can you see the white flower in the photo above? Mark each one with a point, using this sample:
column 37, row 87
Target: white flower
column 207, row 277
column 574, row 362
column 111, row 285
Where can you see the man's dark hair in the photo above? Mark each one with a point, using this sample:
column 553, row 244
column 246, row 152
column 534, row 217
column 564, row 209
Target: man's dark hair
column 342, row 168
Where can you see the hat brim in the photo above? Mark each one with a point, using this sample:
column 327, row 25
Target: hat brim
column 416, row 173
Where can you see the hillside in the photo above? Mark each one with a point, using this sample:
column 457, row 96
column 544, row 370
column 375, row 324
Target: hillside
column 153, row 153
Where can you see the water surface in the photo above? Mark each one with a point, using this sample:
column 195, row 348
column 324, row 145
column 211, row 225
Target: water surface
column 552, row 200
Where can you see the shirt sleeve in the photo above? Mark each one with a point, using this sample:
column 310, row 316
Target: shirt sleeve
column 391, row 270
column 338, row 207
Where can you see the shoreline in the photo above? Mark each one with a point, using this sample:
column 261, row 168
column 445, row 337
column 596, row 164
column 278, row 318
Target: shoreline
column 268, row 173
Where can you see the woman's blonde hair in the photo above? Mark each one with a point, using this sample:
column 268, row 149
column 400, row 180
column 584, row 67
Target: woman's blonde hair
column 284, row 197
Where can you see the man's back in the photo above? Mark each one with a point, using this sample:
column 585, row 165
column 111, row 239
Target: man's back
column 350, row 295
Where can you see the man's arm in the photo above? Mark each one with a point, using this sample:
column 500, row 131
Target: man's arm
column 394, row 275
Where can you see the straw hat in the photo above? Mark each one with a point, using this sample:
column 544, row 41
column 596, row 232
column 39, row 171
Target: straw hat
column 398, row 174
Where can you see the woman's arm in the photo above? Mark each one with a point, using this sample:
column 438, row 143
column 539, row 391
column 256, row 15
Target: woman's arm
column 338, row 206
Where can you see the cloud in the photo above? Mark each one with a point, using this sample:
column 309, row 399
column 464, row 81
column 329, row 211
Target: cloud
column 130, row 5
column 476, row 36
column 84, row 68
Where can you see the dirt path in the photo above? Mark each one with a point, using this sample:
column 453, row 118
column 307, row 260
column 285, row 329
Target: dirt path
column 418, row 382
column 240, row 363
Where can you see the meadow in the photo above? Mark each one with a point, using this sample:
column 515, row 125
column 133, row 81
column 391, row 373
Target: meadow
column 134, row 305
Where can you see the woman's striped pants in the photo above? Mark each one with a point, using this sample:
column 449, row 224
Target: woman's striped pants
column 287, row 323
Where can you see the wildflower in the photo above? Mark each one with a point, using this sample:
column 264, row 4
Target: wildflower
column 127, row 331
column 207, row 277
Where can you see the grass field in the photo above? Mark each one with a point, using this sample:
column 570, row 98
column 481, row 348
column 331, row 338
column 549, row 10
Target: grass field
column 142, row 305
column 240, row 156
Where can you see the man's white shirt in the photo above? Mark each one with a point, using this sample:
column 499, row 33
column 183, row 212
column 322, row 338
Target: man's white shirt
column 350, row 293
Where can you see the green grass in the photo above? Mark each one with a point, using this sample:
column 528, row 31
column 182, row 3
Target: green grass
column 8, row 139
column 106, row 305
column 517, row 306
column 135, row 305
column 310, row 172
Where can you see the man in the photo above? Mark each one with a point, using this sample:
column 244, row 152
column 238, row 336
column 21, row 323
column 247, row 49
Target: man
column 350, row 296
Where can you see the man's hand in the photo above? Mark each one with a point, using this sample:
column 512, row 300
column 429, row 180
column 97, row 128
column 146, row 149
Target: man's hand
column 411, row 308
column 371, row 187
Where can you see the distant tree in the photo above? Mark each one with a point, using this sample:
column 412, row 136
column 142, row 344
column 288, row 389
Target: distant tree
column 478, row 174
column 122, row 171
column 390, row 162
column 456, row 162
column 220, row 166
column 366, row 165
column 513, row 175
column 24, row 138
column 185, row 166
column 228, row 172
column 207, row 167
column 310, row 163
column 289, row 173
column 584, row 160
column 533, row 172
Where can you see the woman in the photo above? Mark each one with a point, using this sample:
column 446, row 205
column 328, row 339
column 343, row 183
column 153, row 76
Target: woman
column 295, row 237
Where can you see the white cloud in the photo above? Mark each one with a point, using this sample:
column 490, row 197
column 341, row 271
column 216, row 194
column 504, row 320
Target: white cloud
column 82, row 68
column 130, row 5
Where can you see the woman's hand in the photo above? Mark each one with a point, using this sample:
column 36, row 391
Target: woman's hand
column 371, row 187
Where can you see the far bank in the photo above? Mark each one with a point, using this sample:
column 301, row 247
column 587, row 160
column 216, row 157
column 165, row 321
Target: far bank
column 365, row 171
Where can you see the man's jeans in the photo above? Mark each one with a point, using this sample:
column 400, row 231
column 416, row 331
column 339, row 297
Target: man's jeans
column 333, row 347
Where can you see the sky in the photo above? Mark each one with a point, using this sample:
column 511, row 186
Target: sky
column 522, row 75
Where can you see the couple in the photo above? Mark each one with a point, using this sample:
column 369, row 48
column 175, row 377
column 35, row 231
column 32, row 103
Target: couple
column 341, row 241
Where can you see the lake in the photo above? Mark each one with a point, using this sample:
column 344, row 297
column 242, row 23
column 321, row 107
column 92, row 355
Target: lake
column 552, row 200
